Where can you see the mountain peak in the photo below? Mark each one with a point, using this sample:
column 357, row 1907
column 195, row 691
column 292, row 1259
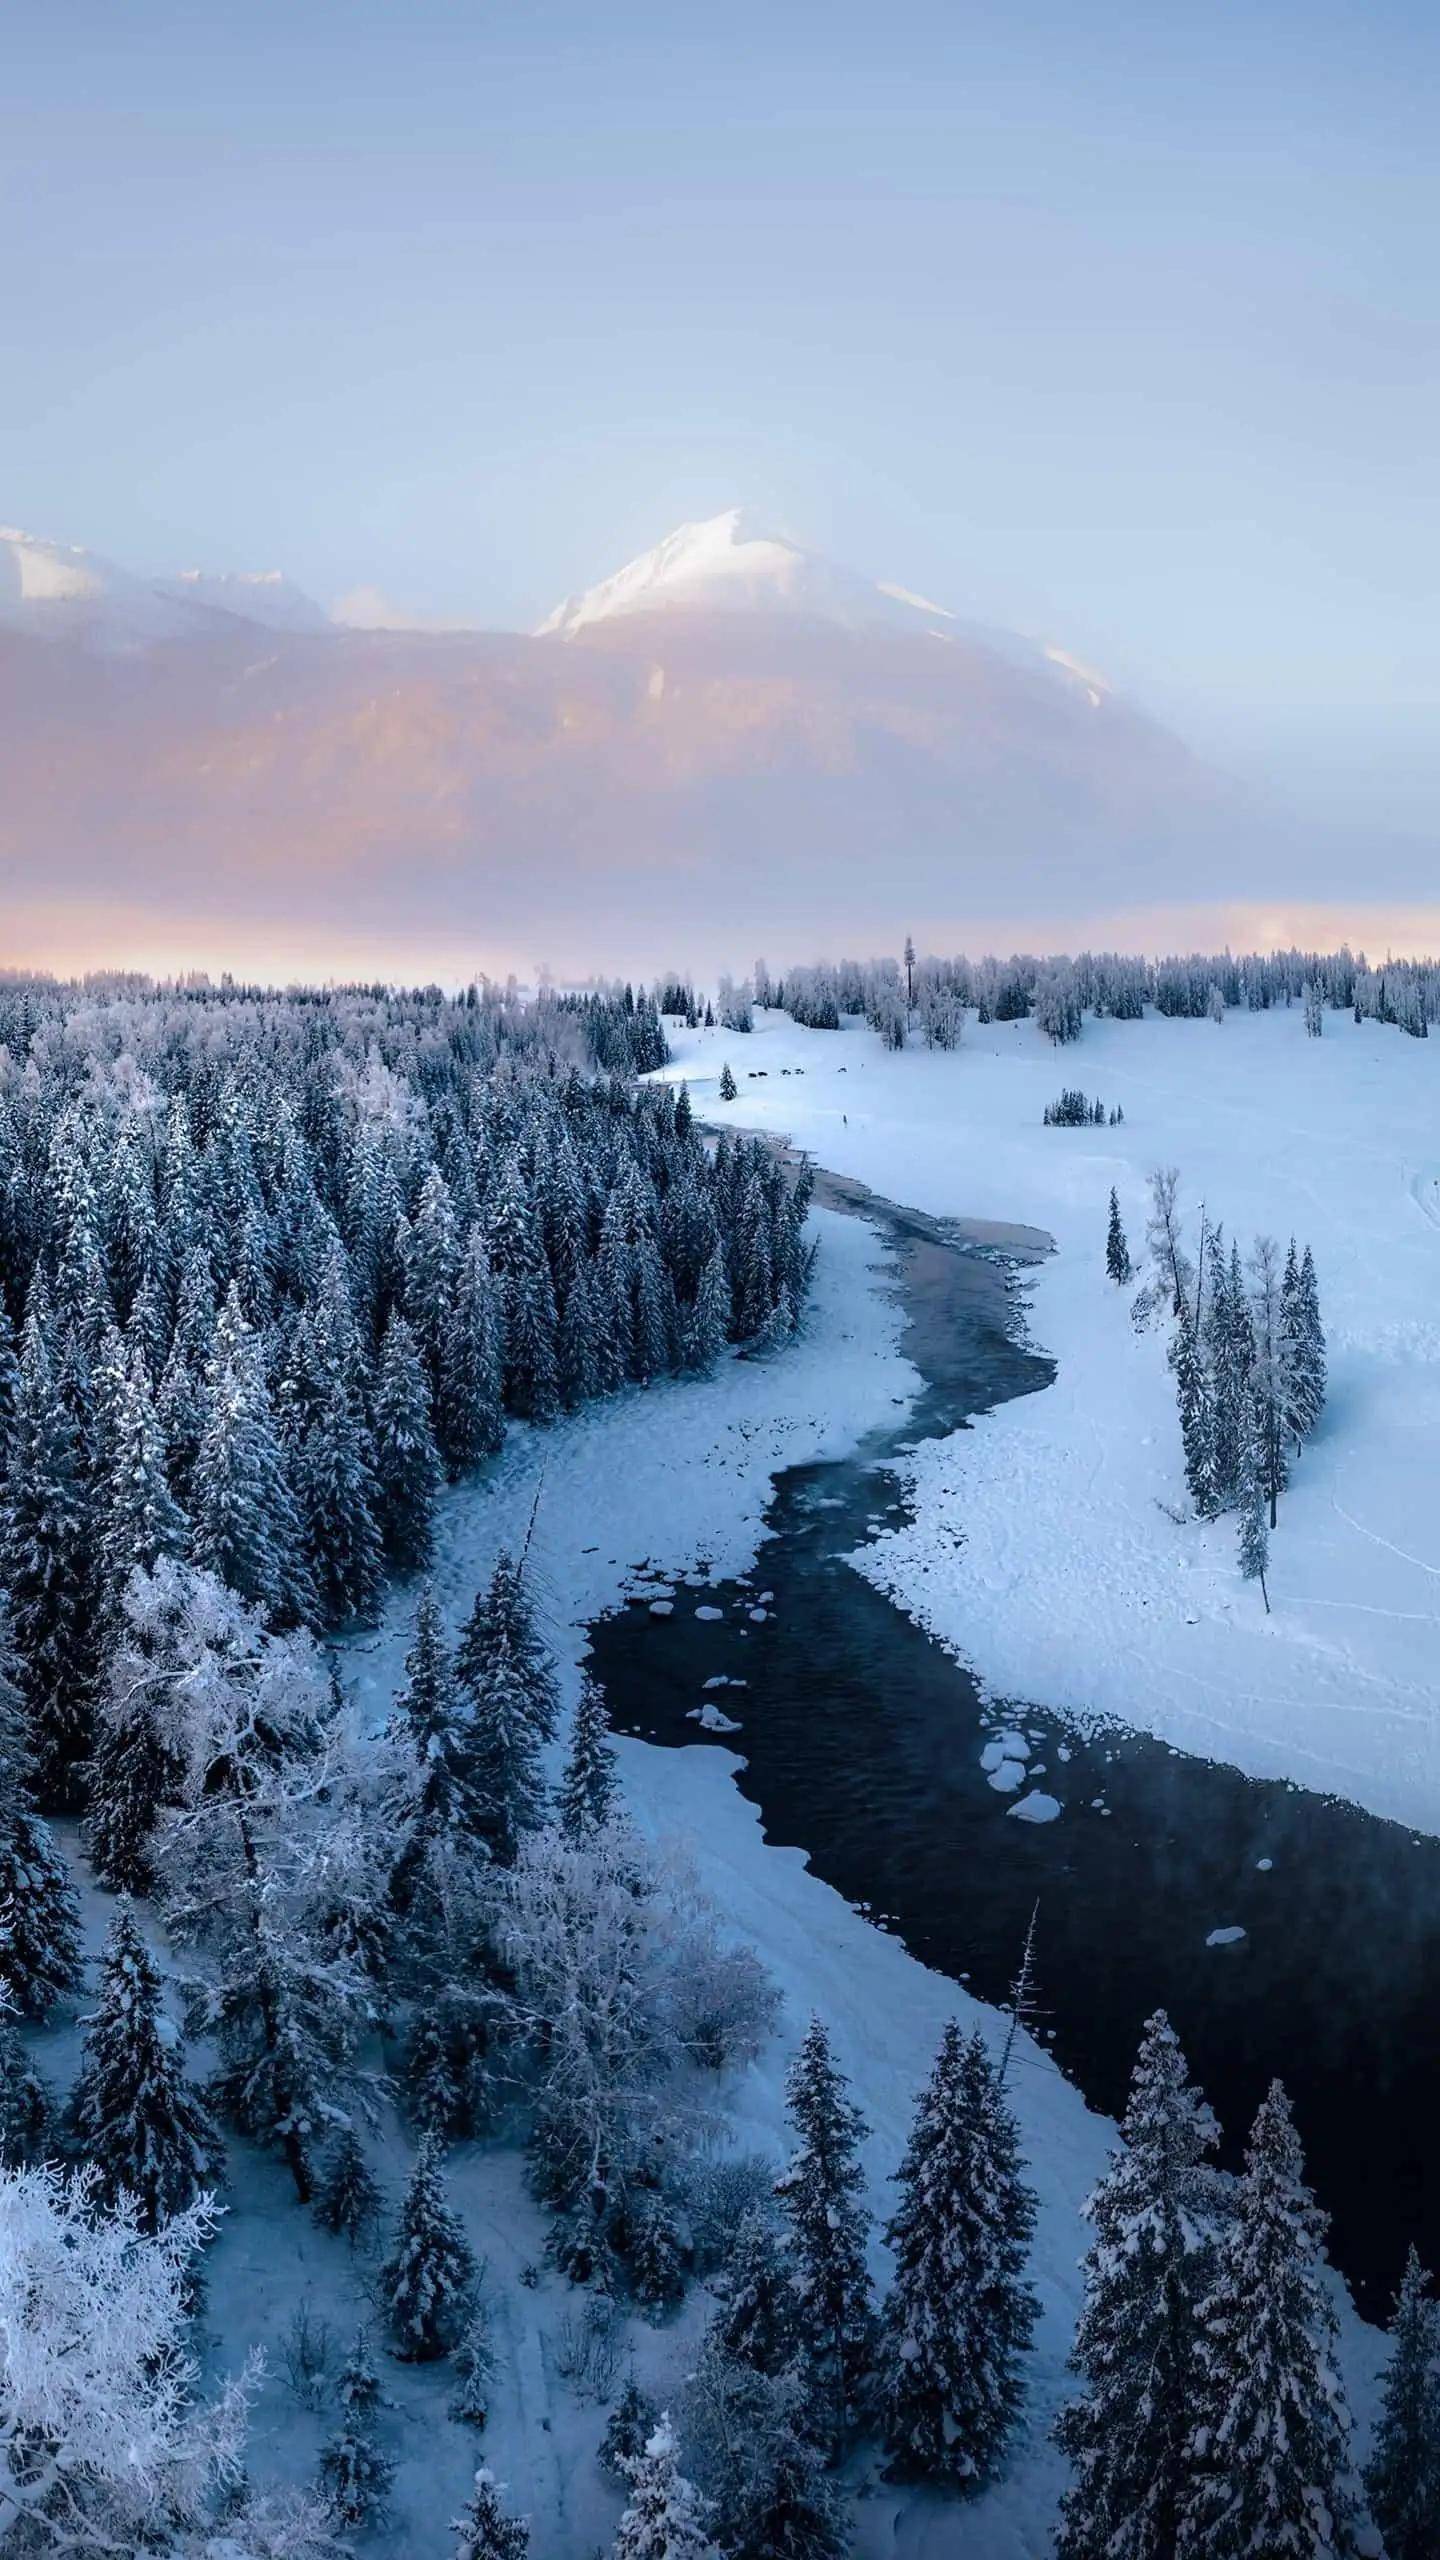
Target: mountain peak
column 56, row 590
column 735, row 563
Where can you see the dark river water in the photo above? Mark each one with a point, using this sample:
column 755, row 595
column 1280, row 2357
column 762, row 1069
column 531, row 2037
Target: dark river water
column 862, row 1744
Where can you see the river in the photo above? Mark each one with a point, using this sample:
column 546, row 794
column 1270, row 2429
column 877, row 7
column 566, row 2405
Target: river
column 862, row 1744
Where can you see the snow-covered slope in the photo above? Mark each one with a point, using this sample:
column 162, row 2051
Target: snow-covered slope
column 57, row 591
column 1051, row 1545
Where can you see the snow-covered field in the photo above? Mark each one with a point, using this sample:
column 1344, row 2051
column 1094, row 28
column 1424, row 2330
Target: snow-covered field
column 1072, row 1583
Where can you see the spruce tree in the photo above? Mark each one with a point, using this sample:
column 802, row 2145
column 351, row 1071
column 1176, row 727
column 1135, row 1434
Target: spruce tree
column 428, row 2282
column 1254, row 1544
column 662, row 2518
column 246, row 1526
column 475, row 2366
column 1130, row 2435
column 1403, row 2477
column 470, row 1413
column 959, row 2315
column 46, row 1561
column 485, row 2532
column 39, row 1914
column 1117, row 1251
column 761, row 2472
column 133, row 1773
column 407, row 1463
column 347, row 2199
column 1197, row 1418
column 728, row 1086
column 1303, row 1345
column 758, row 2322
column 27, row 2106
column 628, row 2429
column 355, row 2473
column 133, row 2114
column 822, row 2196
column 140, row 1519
column 589, row 1787
column 706, row 1326
column 1270, row 2462
column 508, row 1683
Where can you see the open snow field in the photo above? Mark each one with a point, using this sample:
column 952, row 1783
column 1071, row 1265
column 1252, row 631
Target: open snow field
column 1071, row 1582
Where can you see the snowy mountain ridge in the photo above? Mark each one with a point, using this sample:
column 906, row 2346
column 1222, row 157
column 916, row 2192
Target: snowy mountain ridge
column 59, row 590
column 731, row 562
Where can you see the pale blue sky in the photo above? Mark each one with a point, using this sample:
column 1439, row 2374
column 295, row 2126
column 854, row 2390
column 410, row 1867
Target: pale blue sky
column 1116, row 321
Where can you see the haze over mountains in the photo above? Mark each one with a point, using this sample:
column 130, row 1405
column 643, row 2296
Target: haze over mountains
column 729, row 740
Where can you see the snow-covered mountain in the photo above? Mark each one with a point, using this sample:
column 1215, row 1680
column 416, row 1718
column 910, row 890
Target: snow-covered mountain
column 729, row 722
column 57, row 591
column 731, row 564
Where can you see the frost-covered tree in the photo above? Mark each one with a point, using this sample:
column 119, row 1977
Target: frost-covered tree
column 822, row 2195
column 507, row 1682
column 474, row 2361
column 1269, row 1373
column 39, row 1915
column 758, row 2322
column 628, row 2429
column 1254, row 1541
column 133, row 1774
column 588, row 1789
column 134, row 2116
column 104, row 2441
column 428, row 2282
column 1403, row 2477
column 485, row 2532
column 246, row 1525
column 1130, row 2433
column 959, row 2314
column 1197, row 1417
column 140, row 1519
column 1303, row 1345
column 1270, row 2462
column 46, row 1565
column 249, row 1862
column 331, row 1454
column 662, row 2519
column 347, row 2198
column 756, row 2464
column 27, row 2104
column 1117, row 1251
column 728, row 1086
column 407, row 1463
column 470, row 1410
column 355, row 2470
column 1163, row 1238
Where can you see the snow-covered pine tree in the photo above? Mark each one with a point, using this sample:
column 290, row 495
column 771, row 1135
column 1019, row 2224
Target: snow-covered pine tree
column 959, row 2315
column 485, row 2532
column 28, row 2123
column 39, row 1914
column 762, row 2475
column 355, row 2471
column 1270, row 2463
column 245, row 1523
column 577, row 1365
column 1303, row 1345
column 1254, row 1541
column 1403, row 2477
column 588, row 1789
column 46, row 1565
column 1269, row 1381
column 821, row 2192
column 1162, row 1236
column 508, row 1683
column 662, row 2519
column 140, row 1520
column 347, row 2198
column 134, row 2116
column 428, row 2281
column 705, row 1327
column 1197, row 1417
column 1117, row 1251
column 407, row 1463
column 628, row 2429
column 133, row 1774
column 470, row 1413
column 758, row 2321
column 474, row 2362
column 728, row 1086
column 1130, row 2434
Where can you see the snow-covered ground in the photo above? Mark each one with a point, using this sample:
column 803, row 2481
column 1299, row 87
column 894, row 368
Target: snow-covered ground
column 670, row 1482
column 1071, row 1582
